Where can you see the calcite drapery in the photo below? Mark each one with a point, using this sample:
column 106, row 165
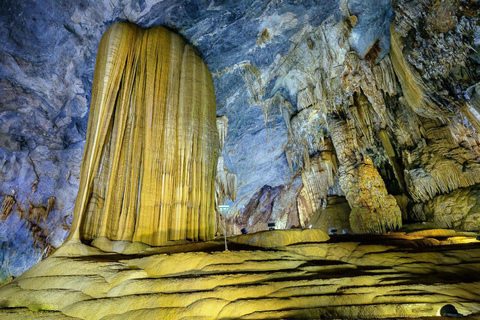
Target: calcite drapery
column 148, row 171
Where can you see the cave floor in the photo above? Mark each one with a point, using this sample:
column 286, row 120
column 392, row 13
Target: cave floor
column 392, row 276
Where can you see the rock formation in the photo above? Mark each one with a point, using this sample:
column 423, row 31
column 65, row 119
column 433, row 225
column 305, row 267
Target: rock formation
column 459, row 209
column 225, row 181
column 367, row 101
column 373, row 209
column 355, row 115
column 148, row 170
column 269, row 275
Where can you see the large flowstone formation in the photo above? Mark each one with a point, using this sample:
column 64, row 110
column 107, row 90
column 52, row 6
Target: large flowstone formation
column 151, row 151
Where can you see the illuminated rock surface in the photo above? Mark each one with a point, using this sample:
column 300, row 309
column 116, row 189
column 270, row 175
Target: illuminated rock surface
column 374, row 102
column 148, row 170
column 397, row 275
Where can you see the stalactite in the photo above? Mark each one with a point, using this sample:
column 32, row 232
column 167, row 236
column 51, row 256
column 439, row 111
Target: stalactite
column 148, row 170
column 225, row 181
column 307, row 137
column 306, row 98
column 253, row 80
column 363, row 115
column 286, row 110
column 359, row 78
column 447, row 160
column 384, row 76
column 222, row 127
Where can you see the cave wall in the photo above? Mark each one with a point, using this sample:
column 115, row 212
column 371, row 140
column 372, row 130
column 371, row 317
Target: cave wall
column 401, row 74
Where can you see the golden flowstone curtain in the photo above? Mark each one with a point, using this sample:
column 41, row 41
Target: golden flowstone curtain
column 151, row 151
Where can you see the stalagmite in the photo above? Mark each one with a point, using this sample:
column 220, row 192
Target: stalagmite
column 222, row 127
column 459, row 209
column 373, row 209
column 148, row 170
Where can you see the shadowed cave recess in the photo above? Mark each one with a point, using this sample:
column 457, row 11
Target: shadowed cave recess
column 350, row 126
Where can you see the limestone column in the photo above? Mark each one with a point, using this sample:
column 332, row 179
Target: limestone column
column 373, row 209
column 148, row 171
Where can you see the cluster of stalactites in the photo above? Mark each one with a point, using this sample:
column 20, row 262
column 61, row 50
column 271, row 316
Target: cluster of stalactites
column 225, row 182
column 149, row 166
column 453, row 160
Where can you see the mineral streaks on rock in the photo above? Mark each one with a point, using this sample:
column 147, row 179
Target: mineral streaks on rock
column 414, row 89
column 445, row 153
column 370, row 28
column 373, row 209
column 7, row 206
column 148, row 170
column 393, row 110
column 269, row 204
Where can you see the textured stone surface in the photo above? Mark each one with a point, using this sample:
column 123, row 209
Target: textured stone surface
column 459, row 209
column 391, row 276
column 46, row 72
column 279, row 68
column 335, row 215
column 280, row 238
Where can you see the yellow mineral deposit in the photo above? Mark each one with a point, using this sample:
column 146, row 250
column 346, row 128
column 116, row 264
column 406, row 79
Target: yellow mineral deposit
column 414, row 90
column 149, row 166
